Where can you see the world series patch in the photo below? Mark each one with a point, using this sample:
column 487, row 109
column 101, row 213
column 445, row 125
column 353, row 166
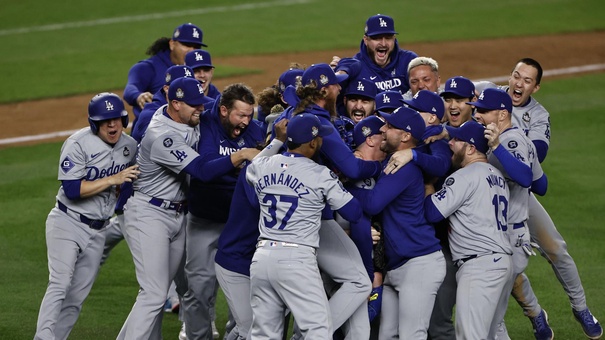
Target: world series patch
column 449, row 181
column 168, row 142
column 512, row 144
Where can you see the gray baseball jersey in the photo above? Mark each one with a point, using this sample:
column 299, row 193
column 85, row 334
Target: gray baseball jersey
column 167, row 149
column 293, row 191
column 520, row 146
column 466, row 197
column 85, row 156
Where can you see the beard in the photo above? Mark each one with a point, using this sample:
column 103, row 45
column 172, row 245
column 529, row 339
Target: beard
column 458, row 158
column 331, row 105
column 233, row 131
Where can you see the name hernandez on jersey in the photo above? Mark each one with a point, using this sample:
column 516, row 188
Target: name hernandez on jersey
column 293, row 190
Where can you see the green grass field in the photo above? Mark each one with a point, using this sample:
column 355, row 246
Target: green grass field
column 67, row 61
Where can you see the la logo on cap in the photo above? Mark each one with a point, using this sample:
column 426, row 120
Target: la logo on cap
column 382, row 22
column 198, row 57
column 386, row 98
column 187, row 72
column 481, row 96
column 200, row 88
column 360, row 86
column 453, row 84
column 196, row 34
column 108, row 105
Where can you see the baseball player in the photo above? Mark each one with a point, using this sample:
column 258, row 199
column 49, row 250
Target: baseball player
column 380, row 59
column 95, row 161
column 534, row 119
column 203, row 70
column 292, row 192
column 147, row 76
column 475, row 198
column 415, row 265
column 514, row 155
column 228, row 139
column 155, row 215
column 274, row 95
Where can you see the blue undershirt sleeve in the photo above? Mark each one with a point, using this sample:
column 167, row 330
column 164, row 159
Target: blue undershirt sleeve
column 431, row 212
column 516, row 170
column 72, row 188
column 540, row 185
column 361, row 234
column 541, row 149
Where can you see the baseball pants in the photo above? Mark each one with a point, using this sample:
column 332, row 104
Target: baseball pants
column 554, row 249
column 199, row 301
column 482, row 284
column 409, row 295
column 156, row 238
column 287, row 277
column 74, row 254
column 339, row 258
column 236, row 288
column 441, row 326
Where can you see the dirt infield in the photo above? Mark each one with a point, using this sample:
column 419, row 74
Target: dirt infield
column 473, row 59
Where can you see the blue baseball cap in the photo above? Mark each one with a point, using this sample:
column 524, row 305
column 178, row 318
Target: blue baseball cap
column 303, row 127
column 368, row 126
column 427, row 101
column 493, row 99
column 388, row 100
column 379, row 24
column 361, row 87
column 406, row 119
column 323, row 75
column 177, row 71
column 472, row 133
column 198, row 58
column 189, row 91
column 288, row 78
column 189, row 34
column 460, row 87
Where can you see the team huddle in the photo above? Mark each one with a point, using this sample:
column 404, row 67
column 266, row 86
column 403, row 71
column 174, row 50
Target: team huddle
column 365, row 200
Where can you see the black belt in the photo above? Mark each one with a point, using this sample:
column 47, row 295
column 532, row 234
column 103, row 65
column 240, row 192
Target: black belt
column 170, row 205
column 93, row 224
column 460, row 262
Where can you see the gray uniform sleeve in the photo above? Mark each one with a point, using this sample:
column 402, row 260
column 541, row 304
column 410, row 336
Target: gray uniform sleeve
column 172, row 151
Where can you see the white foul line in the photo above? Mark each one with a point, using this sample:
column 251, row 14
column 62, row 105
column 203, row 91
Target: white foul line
column 147, row 17
column 547, row 73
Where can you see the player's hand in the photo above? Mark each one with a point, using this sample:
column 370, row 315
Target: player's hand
column 144, row 98
column 375, row 236
column 127, row 175
column 398, row 160
column 334, row 62
column 491, row 134
column 280, row 130
column 433, row 138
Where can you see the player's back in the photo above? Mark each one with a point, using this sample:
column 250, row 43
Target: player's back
column 292, row 192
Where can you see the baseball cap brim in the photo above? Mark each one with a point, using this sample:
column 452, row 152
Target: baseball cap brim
column 411, row 104
column 325, row 130
column 388, row 117
column 483, row 106
column 199, row 101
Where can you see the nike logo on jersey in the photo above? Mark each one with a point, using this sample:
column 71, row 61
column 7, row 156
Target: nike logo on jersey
column 222, row 141
column 372, row 78
column 93, row 155
column 498, row 259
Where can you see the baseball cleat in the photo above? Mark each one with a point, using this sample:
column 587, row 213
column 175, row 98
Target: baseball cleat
column 590, row 325
column 183, row 333
column 542, row 330
column 168, row 306
column 215, row 333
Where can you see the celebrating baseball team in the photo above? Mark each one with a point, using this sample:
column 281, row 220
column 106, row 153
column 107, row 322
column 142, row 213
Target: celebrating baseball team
column 359, row 198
